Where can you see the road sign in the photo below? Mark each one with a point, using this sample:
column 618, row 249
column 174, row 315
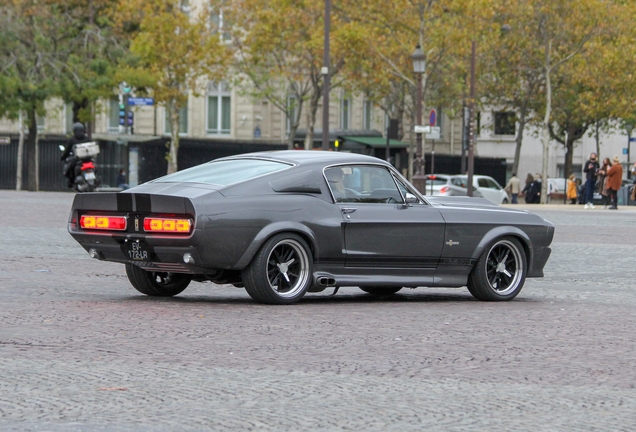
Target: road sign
column 624, row 150
column 141, row 101
column 421, row 129
column 632, row 139
column 432, row 118
column 124, row 87
column 435, row 133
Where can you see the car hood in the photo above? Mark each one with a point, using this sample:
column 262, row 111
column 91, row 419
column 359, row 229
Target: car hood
column 460, row 201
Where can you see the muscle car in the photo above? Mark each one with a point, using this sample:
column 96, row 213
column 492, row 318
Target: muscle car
column 284, row 223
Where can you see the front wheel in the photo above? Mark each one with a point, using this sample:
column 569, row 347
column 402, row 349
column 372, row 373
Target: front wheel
column 280, row 272
column 500, row 271
column 157, row 284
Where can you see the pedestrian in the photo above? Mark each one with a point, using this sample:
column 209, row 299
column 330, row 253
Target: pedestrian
column 602, row 182
column 591, row 172
column 533, row 190
column 121, row 180
column 513, row 186
column 526, row 187
column 550, row 191
column 615, row 181
column 571, row 192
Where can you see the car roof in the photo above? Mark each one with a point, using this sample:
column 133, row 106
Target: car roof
column 303, row 157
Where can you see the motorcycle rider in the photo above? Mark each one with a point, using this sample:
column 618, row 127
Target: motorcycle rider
column 79, row 136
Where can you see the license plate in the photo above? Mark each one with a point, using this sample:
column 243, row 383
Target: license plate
column 89, row 176
column 137, row 250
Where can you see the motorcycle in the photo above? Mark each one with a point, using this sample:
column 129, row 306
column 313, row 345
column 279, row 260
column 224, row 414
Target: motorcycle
column 85, row 179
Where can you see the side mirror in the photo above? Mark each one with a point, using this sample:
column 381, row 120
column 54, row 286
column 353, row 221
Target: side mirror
column 410, row 198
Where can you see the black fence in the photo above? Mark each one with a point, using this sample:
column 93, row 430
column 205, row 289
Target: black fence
column 447, row 164
column 114, row 155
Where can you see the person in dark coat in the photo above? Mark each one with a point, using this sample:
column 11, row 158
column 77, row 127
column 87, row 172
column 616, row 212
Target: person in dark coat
column 533, row 190
column 591, row 172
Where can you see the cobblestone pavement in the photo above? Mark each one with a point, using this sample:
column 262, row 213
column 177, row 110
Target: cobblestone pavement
column 81, row 350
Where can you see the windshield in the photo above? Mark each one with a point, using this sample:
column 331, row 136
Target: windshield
column 225, row 172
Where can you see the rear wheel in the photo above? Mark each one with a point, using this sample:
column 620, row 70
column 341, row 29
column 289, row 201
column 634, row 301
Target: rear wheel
column 500, row 271
column 157, row 284
column 280, row 272
column 381, row 291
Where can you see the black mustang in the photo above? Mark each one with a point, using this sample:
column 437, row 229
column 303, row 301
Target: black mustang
column 285, row 223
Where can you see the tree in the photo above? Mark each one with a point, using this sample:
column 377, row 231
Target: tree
column 175, row 48
column 34, row 40
column 279, row 49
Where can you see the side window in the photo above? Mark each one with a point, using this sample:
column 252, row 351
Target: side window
column 492, row 184
column 363, row 184
column 482, row 182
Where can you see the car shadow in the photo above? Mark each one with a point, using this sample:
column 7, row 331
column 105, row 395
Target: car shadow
column 410, row 296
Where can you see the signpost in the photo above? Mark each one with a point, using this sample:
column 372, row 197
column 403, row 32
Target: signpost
column 141, row 101
column 432, row 118
column 434, row 133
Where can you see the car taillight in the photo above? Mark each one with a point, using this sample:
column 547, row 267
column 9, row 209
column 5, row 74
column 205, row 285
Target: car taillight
column 167, row 225
column 116, row 223
column 444, row 189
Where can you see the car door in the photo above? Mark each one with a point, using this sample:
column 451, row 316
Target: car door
column 490, row 190
column 383, row 232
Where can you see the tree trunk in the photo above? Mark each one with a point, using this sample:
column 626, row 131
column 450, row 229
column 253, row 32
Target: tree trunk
column 31, row 150
column 173, row 113
column 311, row 117
column 294, row 123
column 523, row 113
column 18, row 177
column 545, row 137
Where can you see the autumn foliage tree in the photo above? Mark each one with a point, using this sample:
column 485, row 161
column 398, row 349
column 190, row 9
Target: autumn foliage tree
column 175, row 50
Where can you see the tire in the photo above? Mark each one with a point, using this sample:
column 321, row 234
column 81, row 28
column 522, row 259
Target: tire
column 380, row 290
column 505, row 201
column 157, row 284
column 500, row 271
column 281, row 271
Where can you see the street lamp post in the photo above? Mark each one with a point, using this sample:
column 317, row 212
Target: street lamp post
column 471, row 124
column 629, row 128
column 326, row 79
column 419, row 67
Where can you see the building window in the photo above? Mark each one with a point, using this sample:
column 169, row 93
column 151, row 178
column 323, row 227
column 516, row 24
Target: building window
column 219, row 24
column 185, row 7
column 345, row 113
column 219, row 108
column 41, row 123
column 504, row 123
column 292, row 109
column 183, row 121
column 113, row 115
column 367, row 110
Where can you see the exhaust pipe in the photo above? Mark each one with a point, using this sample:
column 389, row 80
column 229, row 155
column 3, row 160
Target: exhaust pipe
column 325, row 281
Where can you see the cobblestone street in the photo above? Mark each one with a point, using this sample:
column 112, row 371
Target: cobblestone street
column 81, row 350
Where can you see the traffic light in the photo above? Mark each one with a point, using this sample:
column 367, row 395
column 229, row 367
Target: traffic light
column 122, row 113
column 131, row 118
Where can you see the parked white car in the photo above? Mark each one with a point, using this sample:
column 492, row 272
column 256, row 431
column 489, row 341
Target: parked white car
column 455, row 185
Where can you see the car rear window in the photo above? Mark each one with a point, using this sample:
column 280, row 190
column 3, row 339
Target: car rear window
column 225, row 172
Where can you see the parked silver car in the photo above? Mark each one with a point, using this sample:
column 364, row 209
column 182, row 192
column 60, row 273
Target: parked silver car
column 455, row 185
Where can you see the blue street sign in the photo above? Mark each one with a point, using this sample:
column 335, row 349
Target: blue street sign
column 624, row 150
column 632, row 139
column 141, row 101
